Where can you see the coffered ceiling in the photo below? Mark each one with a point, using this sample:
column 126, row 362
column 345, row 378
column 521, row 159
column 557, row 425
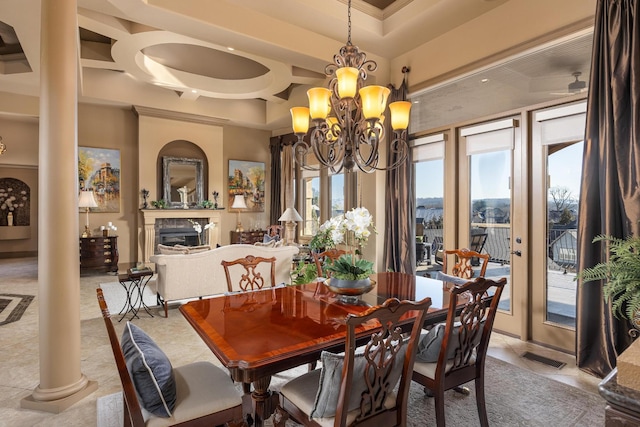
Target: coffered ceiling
column 217, row 57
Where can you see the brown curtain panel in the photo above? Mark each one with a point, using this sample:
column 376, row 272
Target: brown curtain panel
column 400, row 239
column 610, row 192
column 276, row 180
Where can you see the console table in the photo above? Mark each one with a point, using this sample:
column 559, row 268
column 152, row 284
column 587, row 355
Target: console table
column 623, row 404
column 99, row 254
column 247, row 237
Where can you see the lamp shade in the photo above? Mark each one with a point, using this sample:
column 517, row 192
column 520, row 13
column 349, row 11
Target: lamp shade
column 290, row 215
column 347, row 81
column 374, row 100
column 400, row 114
column 300, row 120
column 238, row 202
column 319, row 102
column 87, row 200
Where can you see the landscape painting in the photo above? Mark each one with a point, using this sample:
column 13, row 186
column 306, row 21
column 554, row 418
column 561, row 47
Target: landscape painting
column 99, row 171
column 247, row 178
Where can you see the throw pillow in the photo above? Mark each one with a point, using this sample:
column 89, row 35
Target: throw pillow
column 430, row 343
column 271, row 244
column 150, row 370
column 451, row 279
column 266, row 238
column 326, row 401
column 193, row 249
column 171, row 250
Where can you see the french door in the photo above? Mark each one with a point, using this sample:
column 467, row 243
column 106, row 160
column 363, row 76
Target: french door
column 492, row 210
column 557, row 152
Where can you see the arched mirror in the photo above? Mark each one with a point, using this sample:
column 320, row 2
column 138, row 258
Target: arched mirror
column 182, row 172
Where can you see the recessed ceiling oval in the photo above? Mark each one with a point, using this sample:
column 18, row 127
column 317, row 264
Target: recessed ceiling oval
column 204, row 61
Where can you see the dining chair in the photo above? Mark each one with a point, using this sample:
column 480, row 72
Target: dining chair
column 275, row 230
column 454, row 353
column 251, row 277
column 196, row 394
column 319, row 258
column 458, row 263
column 356, row 388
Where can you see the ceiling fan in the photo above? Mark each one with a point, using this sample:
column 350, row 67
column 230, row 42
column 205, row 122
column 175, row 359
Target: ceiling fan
column 577, row 86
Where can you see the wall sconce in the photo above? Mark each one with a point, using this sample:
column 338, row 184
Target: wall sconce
column 87, row 201
column 239, row 203
column 3, row 147
column 290, row 216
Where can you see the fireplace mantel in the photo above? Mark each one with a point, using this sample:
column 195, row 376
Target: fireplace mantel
column 151, row 215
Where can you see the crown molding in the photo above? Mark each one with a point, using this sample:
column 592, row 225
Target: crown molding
column 176, row 115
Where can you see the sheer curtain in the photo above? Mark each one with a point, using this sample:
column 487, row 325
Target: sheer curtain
column 610, row 192
column 400, row 247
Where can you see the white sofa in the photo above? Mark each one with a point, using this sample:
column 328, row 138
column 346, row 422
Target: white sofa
column 186, row 276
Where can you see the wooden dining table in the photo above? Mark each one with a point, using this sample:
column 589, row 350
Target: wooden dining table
column 261, row 333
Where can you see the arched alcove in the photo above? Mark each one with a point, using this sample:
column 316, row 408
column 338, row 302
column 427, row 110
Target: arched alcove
column 185, row 150
column 15, row 197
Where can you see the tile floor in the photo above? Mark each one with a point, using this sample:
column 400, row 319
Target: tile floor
column 19, row 362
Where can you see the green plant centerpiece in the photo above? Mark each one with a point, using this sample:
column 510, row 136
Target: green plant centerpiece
column 621, row 276
column 349, row 273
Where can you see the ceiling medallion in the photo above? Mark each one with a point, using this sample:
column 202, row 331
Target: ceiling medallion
column 348, row 117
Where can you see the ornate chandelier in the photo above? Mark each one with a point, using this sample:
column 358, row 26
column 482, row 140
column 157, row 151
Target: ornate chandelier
column 348, row 117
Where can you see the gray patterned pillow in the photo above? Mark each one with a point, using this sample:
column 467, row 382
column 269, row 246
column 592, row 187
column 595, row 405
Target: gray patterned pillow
column 326, row 402
column 430, row 343
column 150, row 370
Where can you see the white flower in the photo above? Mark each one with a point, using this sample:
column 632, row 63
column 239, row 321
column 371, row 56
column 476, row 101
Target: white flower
column 209, row 225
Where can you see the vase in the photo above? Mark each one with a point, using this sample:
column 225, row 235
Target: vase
column 349, row 291
column 10, row 219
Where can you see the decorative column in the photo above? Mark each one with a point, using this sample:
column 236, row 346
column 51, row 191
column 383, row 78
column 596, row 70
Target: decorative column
column 61, row 382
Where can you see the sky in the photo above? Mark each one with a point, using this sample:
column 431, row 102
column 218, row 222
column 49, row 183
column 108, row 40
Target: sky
column 490, row 173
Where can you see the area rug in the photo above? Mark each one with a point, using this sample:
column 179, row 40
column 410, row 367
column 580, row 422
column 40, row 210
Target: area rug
column 115, row 296
column 13, row 306
column 515, row 397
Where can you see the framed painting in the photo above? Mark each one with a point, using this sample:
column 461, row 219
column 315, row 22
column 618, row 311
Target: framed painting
column 99, row 171
column 247, row 178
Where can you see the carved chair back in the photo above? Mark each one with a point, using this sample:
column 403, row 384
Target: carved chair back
column 464, row 344
column 251, row 276
column 319, row 258
column 460, row 262
column 132, row 411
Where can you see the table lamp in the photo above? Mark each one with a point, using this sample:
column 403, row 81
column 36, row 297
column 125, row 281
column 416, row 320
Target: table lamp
column 239, row 203
column 290, row 216
column 87, row 201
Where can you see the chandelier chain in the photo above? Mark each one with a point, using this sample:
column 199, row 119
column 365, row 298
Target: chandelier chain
column 349, row 22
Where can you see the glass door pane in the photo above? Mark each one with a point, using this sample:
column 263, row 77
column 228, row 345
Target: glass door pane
column 564, row 167
column 490, row 225
column 429, row 185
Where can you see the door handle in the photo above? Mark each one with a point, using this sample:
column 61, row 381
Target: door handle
column 518, row 253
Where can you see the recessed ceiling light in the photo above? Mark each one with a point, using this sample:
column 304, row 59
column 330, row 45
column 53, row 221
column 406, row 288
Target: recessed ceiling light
column 230, row 48
column 194, row 91
column 416, row 102
column 484, row 80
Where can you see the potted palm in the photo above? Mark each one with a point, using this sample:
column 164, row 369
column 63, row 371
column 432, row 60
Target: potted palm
column 621, row 275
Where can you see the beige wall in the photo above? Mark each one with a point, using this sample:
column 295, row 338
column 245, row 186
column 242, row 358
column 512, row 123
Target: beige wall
column 252, row 145
column 20, row 161
column 120, row 128
column 114, row 128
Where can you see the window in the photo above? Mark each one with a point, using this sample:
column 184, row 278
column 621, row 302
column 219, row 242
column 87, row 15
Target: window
column 337, row 194
column 311, row 204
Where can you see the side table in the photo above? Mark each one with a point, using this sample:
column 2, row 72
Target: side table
column 623, row 404
column 134, row 282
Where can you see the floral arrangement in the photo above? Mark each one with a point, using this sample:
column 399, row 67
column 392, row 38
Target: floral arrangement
column 10, row 202
column 352, row 230
column 198, row 228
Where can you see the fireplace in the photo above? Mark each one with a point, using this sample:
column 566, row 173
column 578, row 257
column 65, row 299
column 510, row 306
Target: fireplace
column 176, row 228
column 178, row 236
